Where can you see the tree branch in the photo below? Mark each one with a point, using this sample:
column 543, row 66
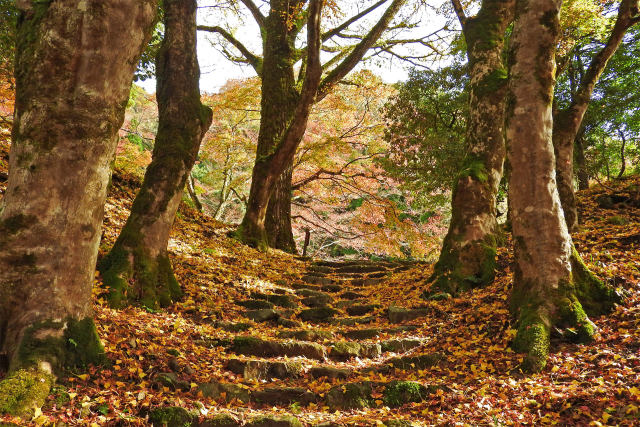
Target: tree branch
column 457, row 6
column 254, row 60
column 360, row 50
column 326, row 36
column 255, row 11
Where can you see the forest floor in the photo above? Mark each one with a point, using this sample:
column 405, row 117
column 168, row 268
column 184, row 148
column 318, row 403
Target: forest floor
column 275, row 340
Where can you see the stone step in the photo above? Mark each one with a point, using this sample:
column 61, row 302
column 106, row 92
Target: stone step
column 351, row 295
column 345, row 350
column 317, row 280
column 281, row 300
column 257, row 370
column 233, row 326
column 401, row 344
column 412, row 362
column 359, row 395
column 255, row 304
column 252, row 346
column 271, row 396
column 367, row 281
column 362, row 268
column 352, row 321
column 401, row 314
column 349, row 396
column 336, row 287
column 362, row 309
column 306, row 334
column 318, row 314
column 317, row 301
column 330, row 372
column 312, row 293
column 299, row 285
column 362, row 334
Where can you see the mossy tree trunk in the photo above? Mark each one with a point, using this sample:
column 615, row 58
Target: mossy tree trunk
column 137, row 270
column 552, row 287
column 278, row 218
column 71, row 91
column 469, row 249
column 567, row 122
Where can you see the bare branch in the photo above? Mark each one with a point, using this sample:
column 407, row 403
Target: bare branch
column 255, row 11
column 254, row 60
column 457, row 6
column 326, row 36
column 360, row 50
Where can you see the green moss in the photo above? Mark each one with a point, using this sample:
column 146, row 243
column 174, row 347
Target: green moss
column 475, row 168
column 617, row 220
column 462, row 269
column 532, row 337
column 266, row 421
column 491, row 83
column 23, row 391
column 397, row 393
column 345, row 349
column 221, row 420
column 65, row 344
column 154, row 283
column 350, row 396
column 595, row 296
column 255, row 238
column 242, row 343
column 172, row 416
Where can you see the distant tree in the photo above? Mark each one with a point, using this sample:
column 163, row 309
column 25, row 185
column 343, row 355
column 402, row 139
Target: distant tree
column 69, row 106
column 567, row 121
column 613, row 115
column 426, row 124
column 552, row 287
column 138, row 270
column 267, row 221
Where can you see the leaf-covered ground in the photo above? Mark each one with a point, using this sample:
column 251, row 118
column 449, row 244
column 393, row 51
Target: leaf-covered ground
column 350, row 343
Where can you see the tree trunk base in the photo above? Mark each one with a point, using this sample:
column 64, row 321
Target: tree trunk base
column 47, row 348
column 567, row 311
column 252, row 235
column 464, row 268
column 133, row 277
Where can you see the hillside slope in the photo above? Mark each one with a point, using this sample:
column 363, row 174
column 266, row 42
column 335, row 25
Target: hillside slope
column 349, row 343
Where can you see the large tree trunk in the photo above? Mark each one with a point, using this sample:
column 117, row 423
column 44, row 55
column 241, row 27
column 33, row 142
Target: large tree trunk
column 278, row 218
column 469, row 250
column 74, row 66
column 137, row 270
column 567, row 122
column 552, row 287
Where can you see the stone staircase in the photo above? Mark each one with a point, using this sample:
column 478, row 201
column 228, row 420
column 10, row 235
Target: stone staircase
column 325, row 329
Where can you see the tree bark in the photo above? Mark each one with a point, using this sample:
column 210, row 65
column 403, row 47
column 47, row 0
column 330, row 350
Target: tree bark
column 137, row 270
column 567, row 122
column 552, row 287
column 468, row 253
column 74, row 66
column 278, row 217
